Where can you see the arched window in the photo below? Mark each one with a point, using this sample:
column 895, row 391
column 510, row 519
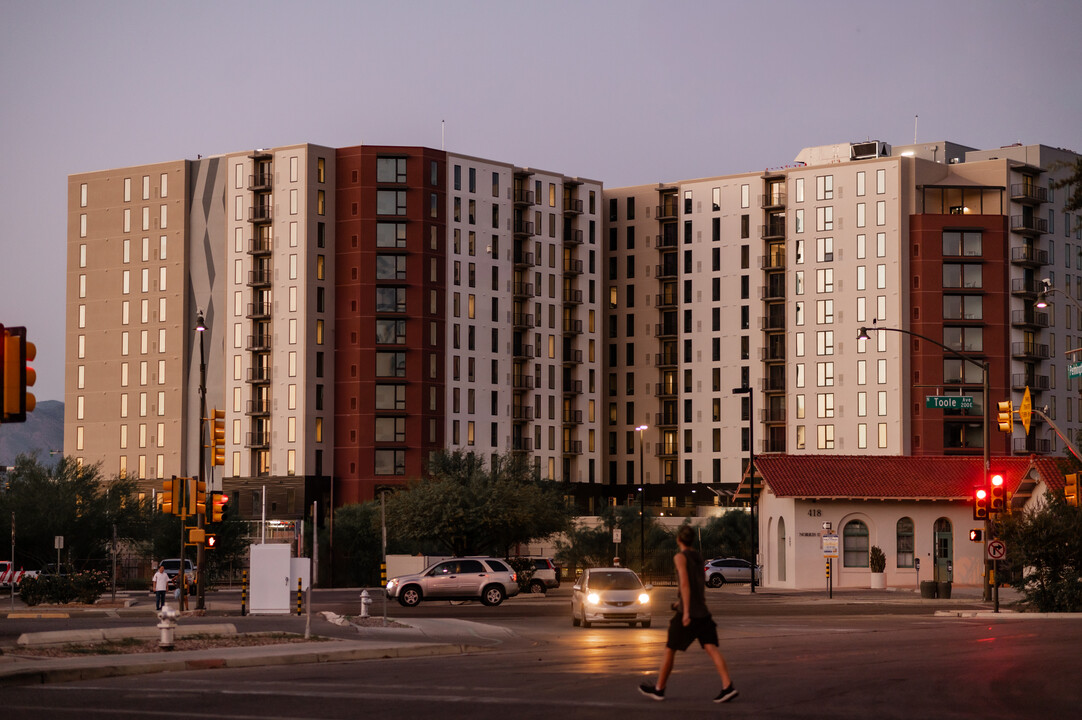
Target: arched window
column 855, row 544
column 905, row 543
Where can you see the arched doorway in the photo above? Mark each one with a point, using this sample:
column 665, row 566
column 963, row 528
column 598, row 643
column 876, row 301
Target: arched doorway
column 943, row 542
column 781, row 549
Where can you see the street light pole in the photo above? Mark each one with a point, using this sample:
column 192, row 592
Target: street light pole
column 642, row 503
column 200, row 552
column 745, row 390
column 983, row 365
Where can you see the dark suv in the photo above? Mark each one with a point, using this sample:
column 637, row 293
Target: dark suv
column 489, row 580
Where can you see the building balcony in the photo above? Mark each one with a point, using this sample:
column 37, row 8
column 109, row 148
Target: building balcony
column 1025, row 288
column 1029, row 319
column 772, row 261
column 257, row 440
column 572, row 417
column 260, row 214
column 665, row 272
column 522, row 351
column 666, row 330
column 572, row 267
column 773, row 230
column 772, row 415
column 258, row 311
column 522, row 290
column 666, row 390
column 571, row 356
column 665, row 242
column 260, row 246
column 572, row 206
column 666, row 420
column 1029, row 256
column 573, row 387
column 1036, row 383
column 1029, row 351
column 772, row 322
column 1028, row 225
column 524, row 444
column 667, row 211
column 259, row 375
column 572, row 296
column 522, row 382
column 573, row 447
column 258, row 343
column 259, row 278
column 523, row 197
column 1032, row 446
column 775, row 353
column 666, row 360
column 522, row 413
column 572, row 327
column 523, row 259
column 772, row 384
column 773, row 290
column 573, row 237
column 1028, row 194
column 261, row 181
column 258, row 407
column 666, row 301
column 522, row 320
column 772, row 200
column 666, row 450
column 523, row 228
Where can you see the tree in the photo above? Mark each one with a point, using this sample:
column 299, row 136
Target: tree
column 728, row 535
column 1044, row 555
column 584, row 547
column 73, row 501
column 465, row 508
column 1073, row 183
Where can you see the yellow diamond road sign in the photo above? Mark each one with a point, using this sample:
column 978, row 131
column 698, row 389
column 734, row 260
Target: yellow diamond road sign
column 1025, row 412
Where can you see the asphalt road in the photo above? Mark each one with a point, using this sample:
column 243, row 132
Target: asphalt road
column 859, row 664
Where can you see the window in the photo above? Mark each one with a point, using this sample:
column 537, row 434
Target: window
column 390, row 234
column 390, row 267
column 391, row 299
column 390, row 462
column 957, row 275
column 390, row 397
column 390, row 202
column 824, row 187
column 855, row 544
column 905, row 542
column 961, row 244
column 824, row 218
column 392, row 170
column 391, row 429
column 390, row 332
column 965, row 339
column 962, row 307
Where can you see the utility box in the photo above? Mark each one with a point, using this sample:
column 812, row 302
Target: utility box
column 271, row 574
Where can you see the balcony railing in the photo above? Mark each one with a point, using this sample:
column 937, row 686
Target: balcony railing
column 664, row 330
column 257, row 440
column 522, row 320
column 572, row 206
column 258, row 407
column 663, row 242
column 522, row 382
column 773, row 229
column 261, row 181
column 666, row 360
column 260, row 214
column 1029, row 318
column 1028, row 225
column 573, row 387
column 523, row 227
column 1028, row 193
column 772, row 200
column 571, row 356
column 772, row 261
column 259, row 311
column 523, row 197
column 772, row 291
column 524, row 444
column 1029, row 350
column 667, row 210
column 520, row 289
column 664, row 390
column 573, row 447
column 258, row 343
column 1032, row 445
column 259, row 375
column 572, row 267
column 663, row 450
column 260, row 246
column 666, row 419
column 522, row 351
column 522, row 413
column 573, row 417
column 573, row 237
column 772, row 415
column 524, row 258
column 1036, row 383
column 1029, row 256
column 259, row 278
column 572, row 296
column 572, row 327
column 663, row 272
column 669, row 300
column 1022, row 286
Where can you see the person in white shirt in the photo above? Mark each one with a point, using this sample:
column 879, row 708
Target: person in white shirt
column 161, row 584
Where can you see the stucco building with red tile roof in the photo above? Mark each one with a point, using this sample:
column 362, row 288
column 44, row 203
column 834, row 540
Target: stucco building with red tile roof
column 918, row 510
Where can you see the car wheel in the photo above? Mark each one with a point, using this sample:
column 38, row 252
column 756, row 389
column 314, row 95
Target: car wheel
column 537, row 587
column 716, row 580
column 492, row 595
column 585, row 622
column 574, row 619
column 646, row 623
column 410, row 596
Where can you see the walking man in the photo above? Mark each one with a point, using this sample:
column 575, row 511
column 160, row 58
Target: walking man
column 161, row 584
column 691, row 622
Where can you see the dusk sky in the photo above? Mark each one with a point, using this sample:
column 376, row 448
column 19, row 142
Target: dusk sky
column 613, row 90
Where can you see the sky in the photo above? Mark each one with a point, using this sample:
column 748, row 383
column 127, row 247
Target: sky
column 622, row 91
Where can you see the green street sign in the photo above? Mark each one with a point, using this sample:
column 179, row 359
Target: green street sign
column 1074, row 370
column 949, row 402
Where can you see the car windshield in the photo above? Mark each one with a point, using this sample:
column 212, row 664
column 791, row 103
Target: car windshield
column 614, row 580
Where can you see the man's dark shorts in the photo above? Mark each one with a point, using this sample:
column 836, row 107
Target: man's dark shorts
column 705, row 630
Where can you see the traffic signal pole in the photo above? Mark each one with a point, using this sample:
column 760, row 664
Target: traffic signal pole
column 200, row 553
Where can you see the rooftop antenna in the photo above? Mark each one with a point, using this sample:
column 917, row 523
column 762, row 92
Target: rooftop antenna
column 915, row 118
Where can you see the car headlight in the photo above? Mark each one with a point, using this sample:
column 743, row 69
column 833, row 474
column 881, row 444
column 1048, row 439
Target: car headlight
column 644, row 599
column 593, row 598
column 392, row 583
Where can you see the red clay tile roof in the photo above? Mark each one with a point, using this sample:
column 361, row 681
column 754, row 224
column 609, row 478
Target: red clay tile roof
column 894, row 477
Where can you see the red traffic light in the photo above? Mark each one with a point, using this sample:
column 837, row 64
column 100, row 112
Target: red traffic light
column 997, row 501
column 980, row 504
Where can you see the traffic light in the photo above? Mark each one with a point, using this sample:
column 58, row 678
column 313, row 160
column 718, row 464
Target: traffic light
column 217, row 437
column 980, row 504
column 976, row 535
column 1070, row 489
column 997, row 501
column 211, row 541
column 17, row 375
column 1005, row 416
column 199, row 493
column 170, row 496
column 217, row 502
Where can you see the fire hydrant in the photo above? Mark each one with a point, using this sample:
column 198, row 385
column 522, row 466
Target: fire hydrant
column 167, row 625
column 366, row 600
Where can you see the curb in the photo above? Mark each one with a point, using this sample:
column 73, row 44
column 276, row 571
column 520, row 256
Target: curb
column 309, row 653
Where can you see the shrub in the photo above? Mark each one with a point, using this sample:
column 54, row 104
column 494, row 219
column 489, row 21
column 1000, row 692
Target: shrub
column 877, row 561
column 83, row 587
column 524, row 569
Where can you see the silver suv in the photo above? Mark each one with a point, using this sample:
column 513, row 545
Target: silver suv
column 474, row 578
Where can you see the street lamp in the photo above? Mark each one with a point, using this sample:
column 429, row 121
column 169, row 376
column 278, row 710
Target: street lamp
column 983, row 365
column 745, row 390
column 642, row 503
column 200, row 552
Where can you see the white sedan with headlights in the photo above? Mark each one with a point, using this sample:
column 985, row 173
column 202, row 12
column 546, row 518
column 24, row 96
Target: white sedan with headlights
column 611, row 594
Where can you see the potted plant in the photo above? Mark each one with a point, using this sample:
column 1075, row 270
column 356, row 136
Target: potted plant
column 877, row 562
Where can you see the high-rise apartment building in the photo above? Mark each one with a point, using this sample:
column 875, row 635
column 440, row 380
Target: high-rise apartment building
column 369, row 305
